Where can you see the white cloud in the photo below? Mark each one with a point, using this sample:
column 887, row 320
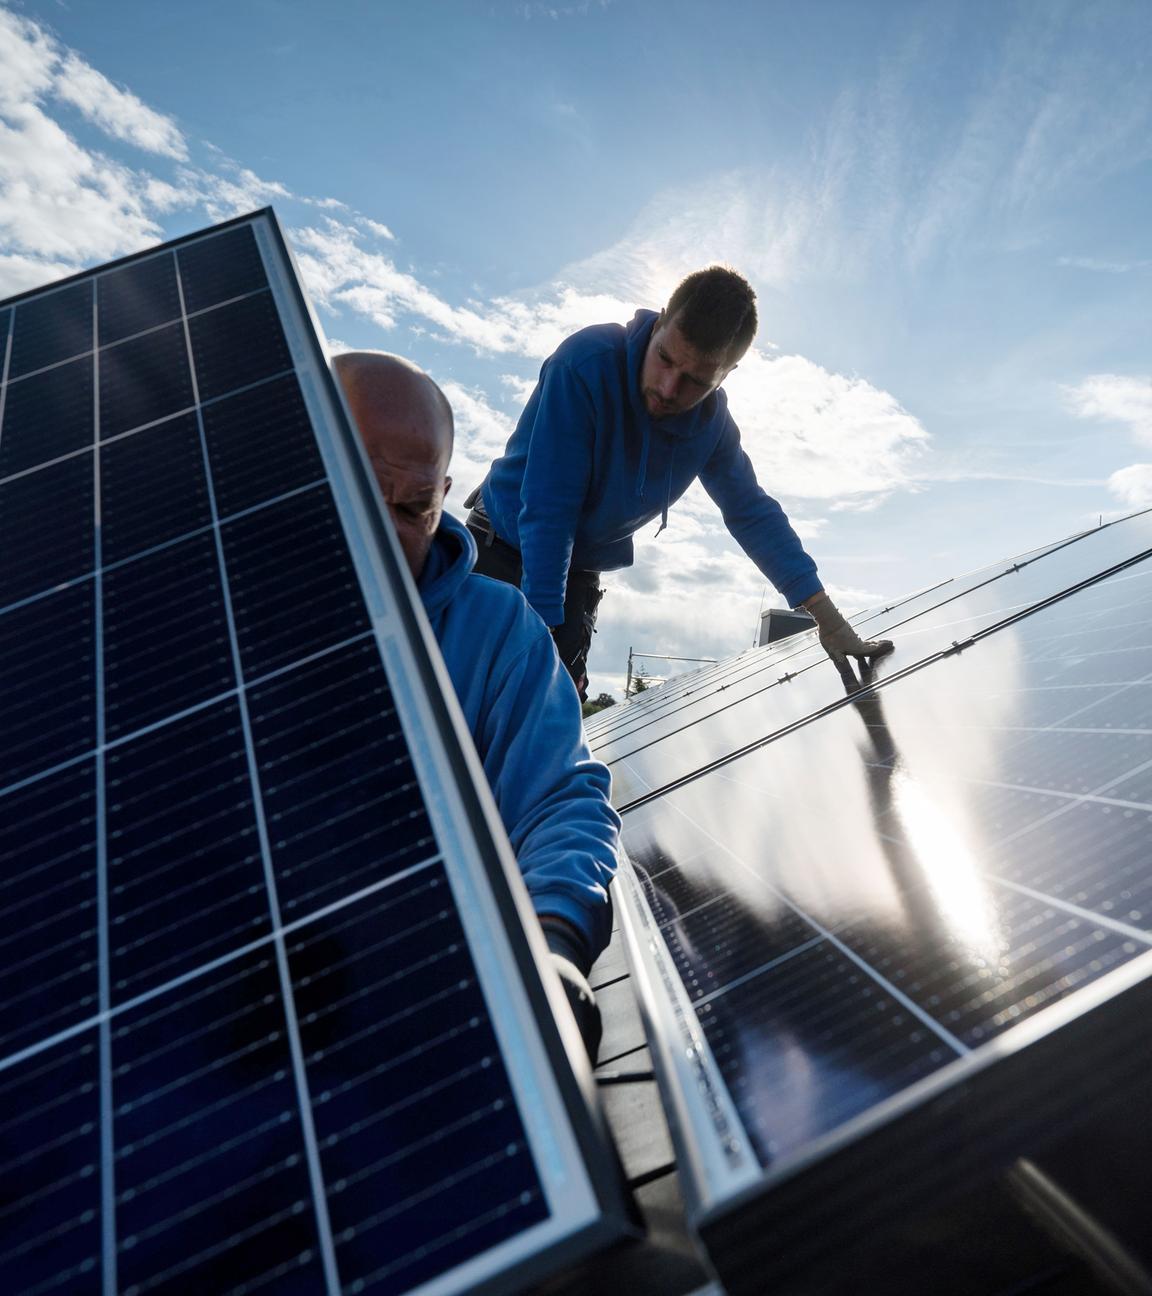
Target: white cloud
column 375, row 227
column 1133, row 485
column 60, row 201
column 115, row 111
column 821, row 435
column 19, row 273
column 28, row 58
column 519, row 389
column 481, row 434
column 1115, row 398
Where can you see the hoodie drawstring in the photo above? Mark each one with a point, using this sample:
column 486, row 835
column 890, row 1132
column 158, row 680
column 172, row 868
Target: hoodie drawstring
column 667, row 491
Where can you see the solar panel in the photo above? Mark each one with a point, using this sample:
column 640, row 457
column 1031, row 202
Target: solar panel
column 270, row 1021
column 906, row 942
column 651, row 745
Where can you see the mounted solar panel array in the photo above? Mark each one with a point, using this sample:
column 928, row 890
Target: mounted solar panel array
column 268, row 1019
column 891, row 943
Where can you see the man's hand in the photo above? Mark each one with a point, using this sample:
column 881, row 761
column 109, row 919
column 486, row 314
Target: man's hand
column 570, row 959
column 840, row 641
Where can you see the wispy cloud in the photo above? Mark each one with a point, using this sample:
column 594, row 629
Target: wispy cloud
column 1101, row 265
column 341, row 272
column 117, row 112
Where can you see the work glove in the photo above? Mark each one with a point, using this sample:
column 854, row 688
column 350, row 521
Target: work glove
column 840, row 641
column 571, row 961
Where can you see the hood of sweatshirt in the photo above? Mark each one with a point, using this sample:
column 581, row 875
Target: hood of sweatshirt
column 448, row 565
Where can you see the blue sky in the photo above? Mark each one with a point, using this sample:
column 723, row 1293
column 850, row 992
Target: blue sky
column 946, row 209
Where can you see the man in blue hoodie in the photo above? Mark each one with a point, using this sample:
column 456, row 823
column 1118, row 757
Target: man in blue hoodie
column 520, row 708
column 621, row 423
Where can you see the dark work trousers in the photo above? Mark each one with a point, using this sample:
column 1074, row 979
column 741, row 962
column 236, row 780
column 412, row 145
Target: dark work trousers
column 501, row 561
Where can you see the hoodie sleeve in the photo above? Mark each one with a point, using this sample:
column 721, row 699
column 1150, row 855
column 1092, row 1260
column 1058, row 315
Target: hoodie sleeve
column 556, row 477
column 756, row 521
column 551, row 794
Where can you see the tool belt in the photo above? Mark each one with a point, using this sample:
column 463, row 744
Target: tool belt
column 480, row 524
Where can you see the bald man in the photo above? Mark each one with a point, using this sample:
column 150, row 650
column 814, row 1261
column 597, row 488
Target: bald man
column 520, row 706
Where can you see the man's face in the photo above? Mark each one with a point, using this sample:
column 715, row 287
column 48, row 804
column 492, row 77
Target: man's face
column 410, row 468
column 675, row 376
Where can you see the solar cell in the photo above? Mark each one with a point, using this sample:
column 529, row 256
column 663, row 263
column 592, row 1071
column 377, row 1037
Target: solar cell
column 50, row 328
column 268, row 1021
column 46, row 416
column 857, row 938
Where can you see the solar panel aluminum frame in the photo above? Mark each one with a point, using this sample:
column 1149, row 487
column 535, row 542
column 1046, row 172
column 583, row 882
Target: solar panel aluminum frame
column 546, row 1061
column 800, row 1225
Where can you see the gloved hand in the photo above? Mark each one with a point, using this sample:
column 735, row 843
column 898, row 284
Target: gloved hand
column 571, row 961
column 839, row 640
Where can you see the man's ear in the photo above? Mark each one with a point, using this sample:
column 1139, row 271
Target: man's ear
column 447, row 485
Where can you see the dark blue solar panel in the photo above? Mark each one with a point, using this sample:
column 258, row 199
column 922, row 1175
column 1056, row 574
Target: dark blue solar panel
column 238, row 344
column 166, row 643
column 49, row 978
column 186, row 883
column 144, row 379
column 141, row 296
column 363, row 817
column 5, row 329
column 212, row 1188
column 286, row 610
column 51, row 1102
column 260, row 444
column 47, row 415
column 47, row 682
column 378, row 971
column 46, row 533
column 219, row 268
column 241, row 1028
column 51, row 328
column 152, row 488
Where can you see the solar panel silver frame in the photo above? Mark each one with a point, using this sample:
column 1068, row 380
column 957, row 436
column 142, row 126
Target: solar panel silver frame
column 546, row 1062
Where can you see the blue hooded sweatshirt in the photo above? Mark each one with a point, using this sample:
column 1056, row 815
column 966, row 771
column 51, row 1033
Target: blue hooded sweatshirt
column 524, row 717
column 587, row 466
